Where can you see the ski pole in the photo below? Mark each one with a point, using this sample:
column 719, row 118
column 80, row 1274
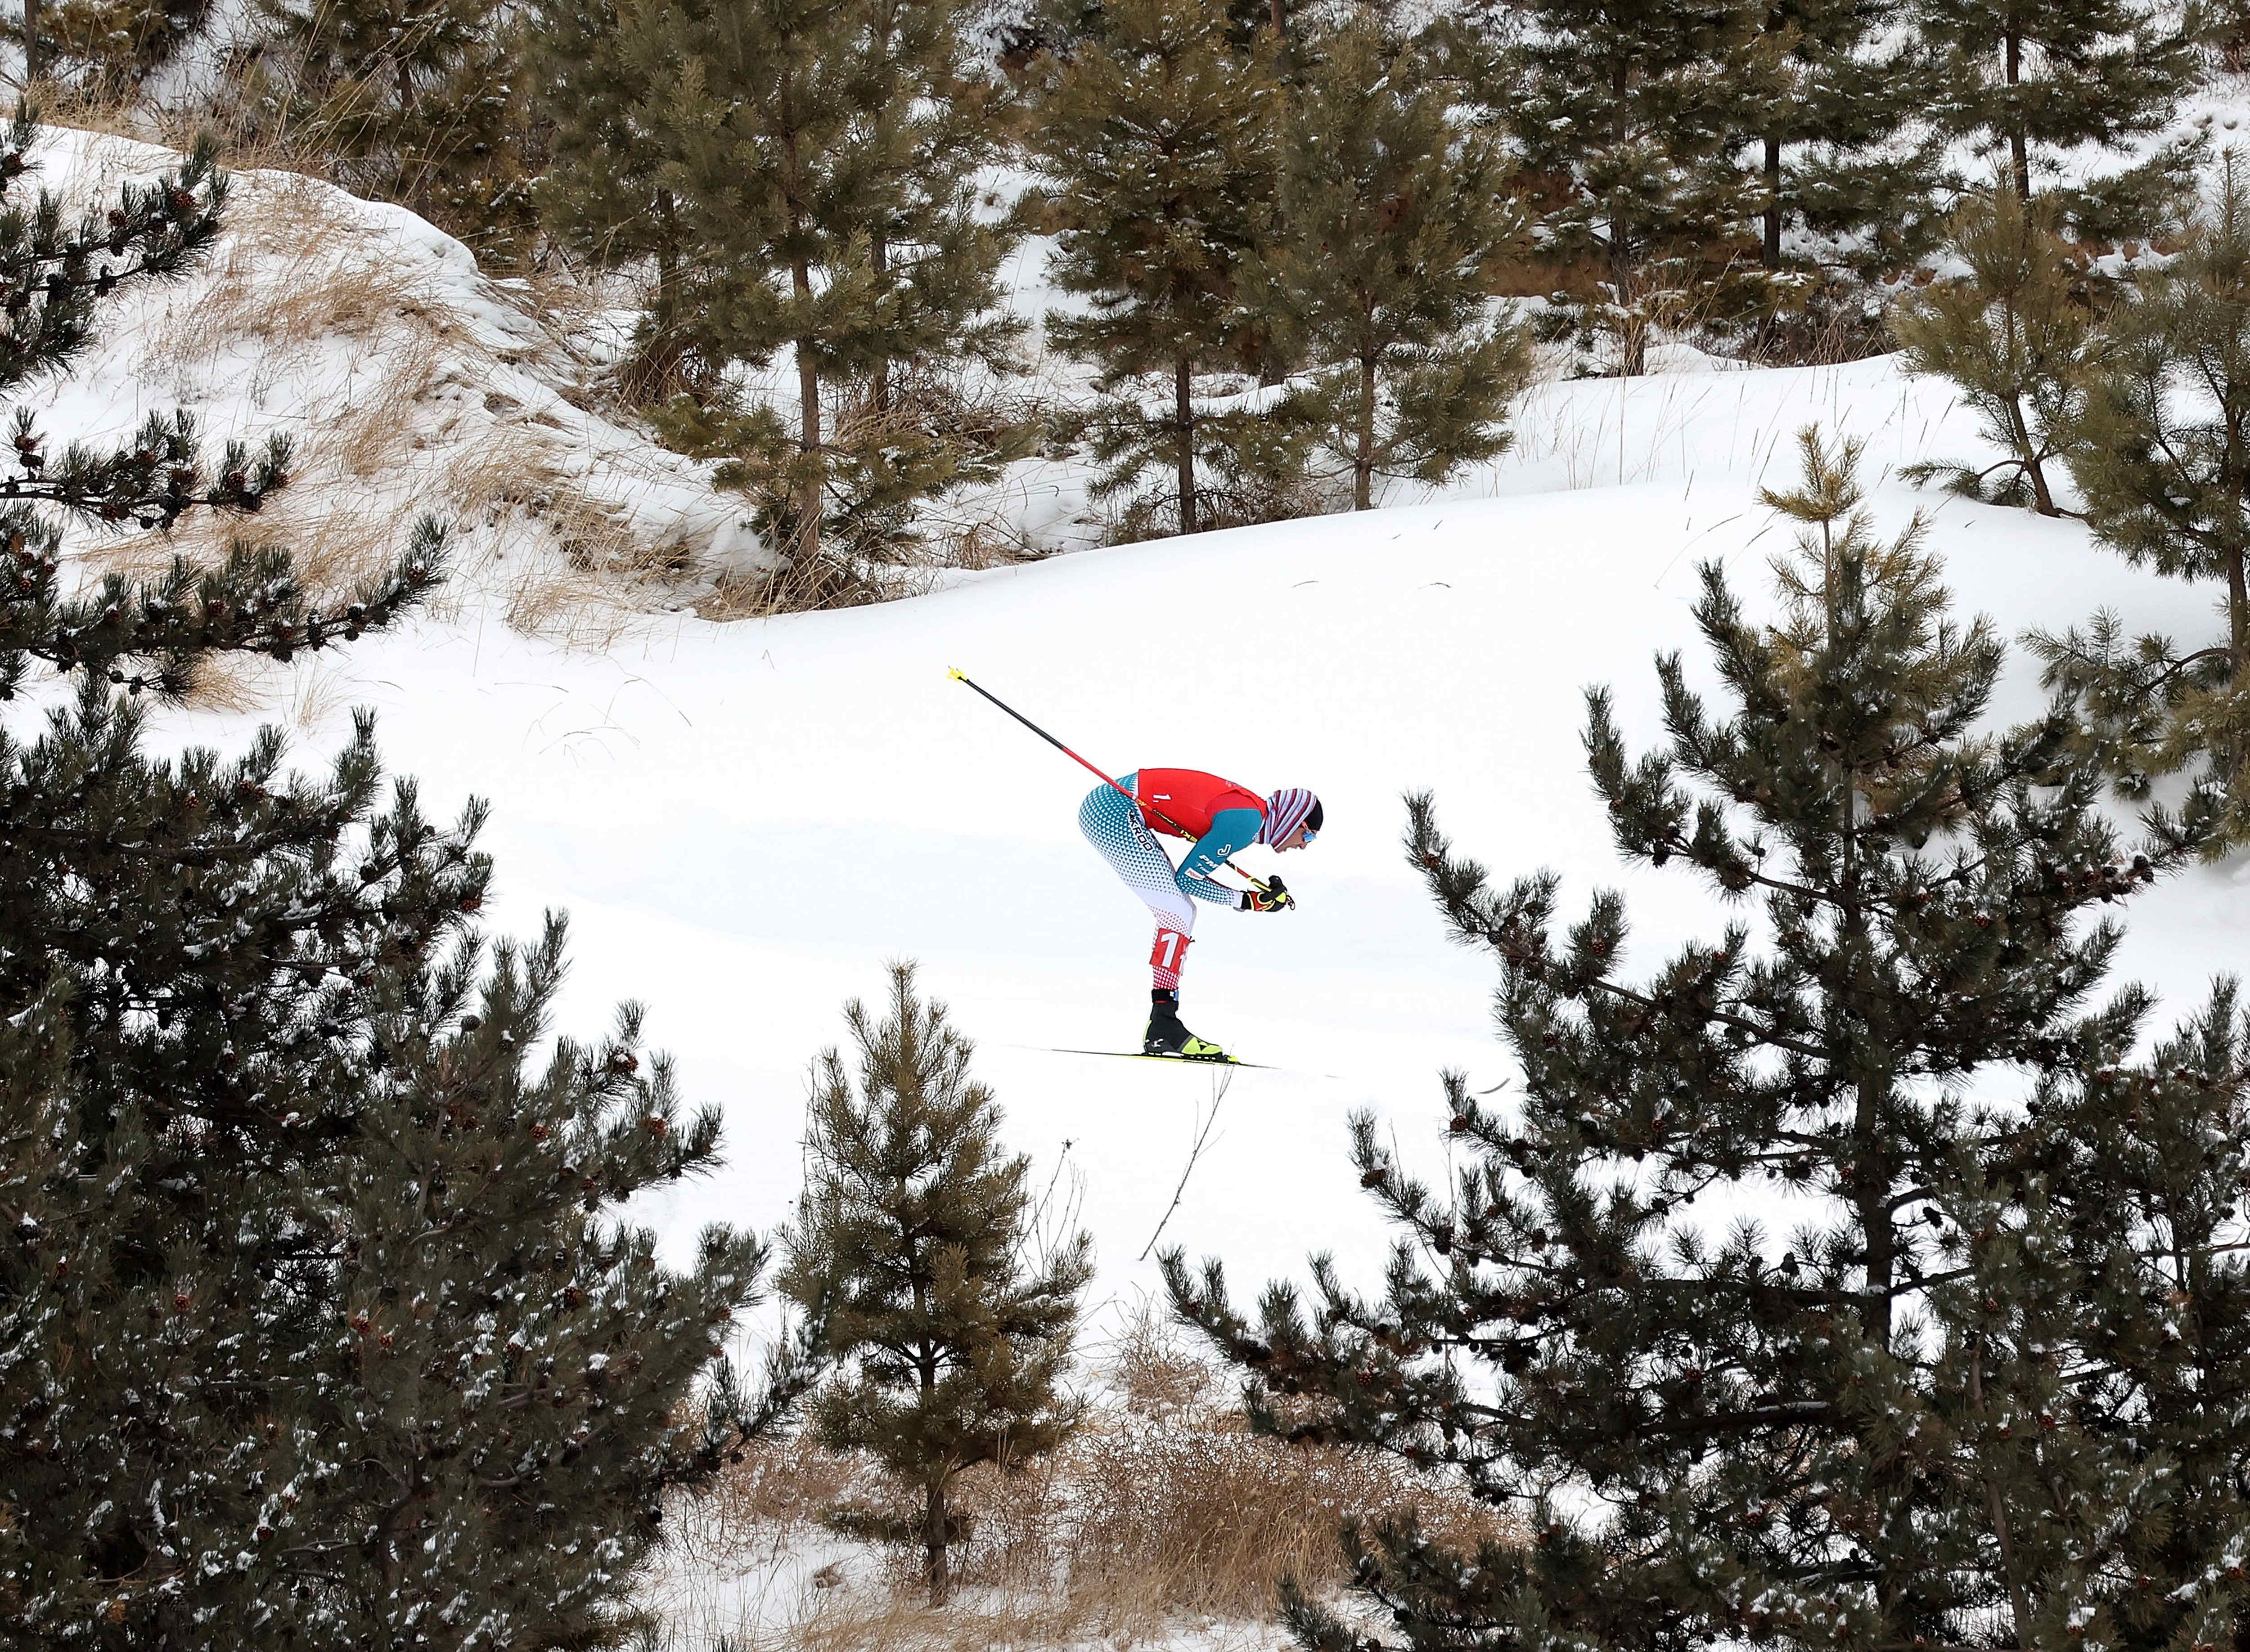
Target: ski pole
column 1096, row 773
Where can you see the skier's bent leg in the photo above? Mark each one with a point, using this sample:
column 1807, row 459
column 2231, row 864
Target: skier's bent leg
column 1114, row 826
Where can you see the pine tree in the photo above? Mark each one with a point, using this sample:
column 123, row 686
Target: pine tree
column 1156, row 137
column 1391, row 220
column 1639, row 109
column 805, row 176
column 315, row 1332
column 415, row 100
column 912, row 1261
column 2018, row 338
column 1805, row 1437
column 603, row 198
column 2159, row 459
column 108, row 47
column 2150, row 1165
column 508, row 1367
column 2022, row 76
column 1840, row 151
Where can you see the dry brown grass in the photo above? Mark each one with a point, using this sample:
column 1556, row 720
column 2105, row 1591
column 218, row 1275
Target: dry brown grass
column 1165, row 1508
column 323, row 306
column 228, row 112
column 230, row 682
column 319, row 278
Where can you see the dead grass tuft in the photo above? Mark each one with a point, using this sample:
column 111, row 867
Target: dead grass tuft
column 1165, row 1508
column 809, row 582
column 229, row 683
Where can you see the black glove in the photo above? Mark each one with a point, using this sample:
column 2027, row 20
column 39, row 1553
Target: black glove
column 1272, row 898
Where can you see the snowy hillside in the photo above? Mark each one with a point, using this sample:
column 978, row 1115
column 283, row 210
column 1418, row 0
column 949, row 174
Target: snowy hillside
column 746, row 819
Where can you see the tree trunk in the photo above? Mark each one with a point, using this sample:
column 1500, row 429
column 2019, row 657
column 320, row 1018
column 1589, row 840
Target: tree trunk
column 2238, row 610
column 30, row 41
column 1633, row 342
column 2002, row 1532
column 668, row 256
column 1870, row 1166
column 2238, row 632
column 1773, row 203
column 933, row 1525
column 941, row 1563
column 809, row 491
column 2019, row 150
column 879, row 387
column 657, row 373
column 1362, row 463
column 879, row 246
column 2026, row 450
column 1184, row 438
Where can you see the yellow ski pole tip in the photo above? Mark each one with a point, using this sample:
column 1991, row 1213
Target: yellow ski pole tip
column 955, row 674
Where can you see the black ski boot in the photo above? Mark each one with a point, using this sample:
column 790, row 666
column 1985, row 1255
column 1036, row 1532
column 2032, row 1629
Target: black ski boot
column 1166, row 1036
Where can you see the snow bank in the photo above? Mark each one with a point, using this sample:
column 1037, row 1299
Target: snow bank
column 411, row 383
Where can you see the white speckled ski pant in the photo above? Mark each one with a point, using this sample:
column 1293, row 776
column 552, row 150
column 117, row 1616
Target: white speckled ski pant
column 1114, row 825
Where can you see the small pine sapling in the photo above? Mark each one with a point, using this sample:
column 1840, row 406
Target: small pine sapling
column 2159, row 458
column 1392, row 220
column 916, row 1262
column 2017, row 336
column 1774, row 1434
column 1157, row 140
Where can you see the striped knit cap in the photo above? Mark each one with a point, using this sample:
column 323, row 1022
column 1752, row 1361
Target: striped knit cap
column 1286, row 810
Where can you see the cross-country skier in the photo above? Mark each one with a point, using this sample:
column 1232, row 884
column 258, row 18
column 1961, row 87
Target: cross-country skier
column 1223, row 819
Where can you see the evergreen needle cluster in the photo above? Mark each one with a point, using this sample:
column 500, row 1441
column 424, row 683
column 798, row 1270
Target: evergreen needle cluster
column 2138, row 391
column 2018, row 336
column 917, row 1260
column 2160, row 463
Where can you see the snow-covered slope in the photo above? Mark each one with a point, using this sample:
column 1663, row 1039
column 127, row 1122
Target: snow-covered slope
column 747, row 820
column 410, row 383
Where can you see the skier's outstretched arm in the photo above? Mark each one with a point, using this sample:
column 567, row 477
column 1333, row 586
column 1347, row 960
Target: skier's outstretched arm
column 1231, row 831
